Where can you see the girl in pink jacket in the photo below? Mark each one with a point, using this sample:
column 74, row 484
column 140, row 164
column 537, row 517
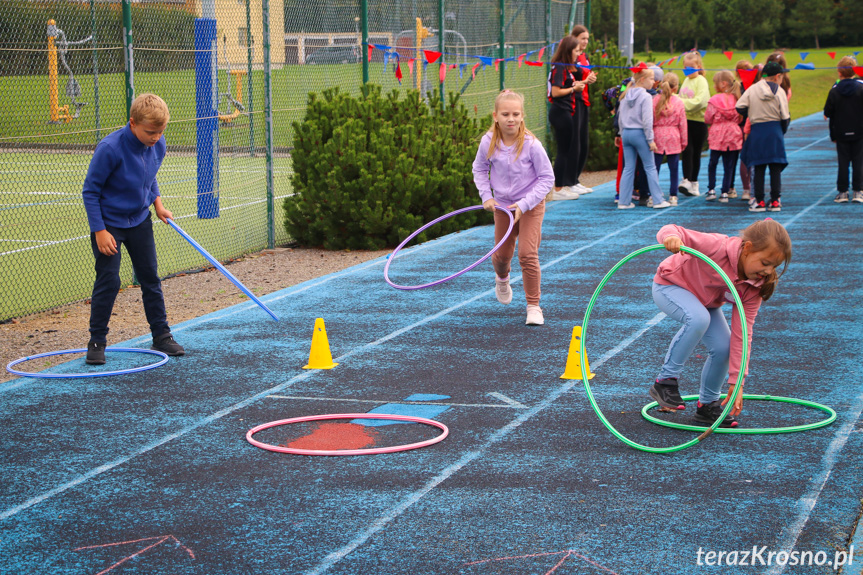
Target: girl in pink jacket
column 669, row 129
column 689, row 291
column 724, row 137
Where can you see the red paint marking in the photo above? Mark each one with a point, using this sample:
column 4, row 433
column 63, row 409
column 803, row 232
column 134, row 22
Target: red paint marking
column 566, row 555
column 332, row 436
column 161, row 539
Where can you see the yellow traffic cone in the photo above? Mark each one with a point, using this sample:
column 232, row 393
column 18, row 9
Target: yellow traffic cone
column 573, row 359
column 320, row 356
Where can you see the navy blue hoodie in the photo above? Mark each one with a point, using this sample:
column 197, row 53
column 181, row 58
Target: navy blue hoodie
column 844, row 108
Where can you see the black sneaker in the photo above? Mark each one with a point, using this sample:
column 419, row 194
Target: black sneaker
column 166, row 344
column 665, row 393
column 95, row 353
column 710, row 412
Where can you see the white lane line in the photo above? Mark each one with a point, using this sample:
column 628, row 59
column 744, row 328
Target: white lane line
column 513, row 405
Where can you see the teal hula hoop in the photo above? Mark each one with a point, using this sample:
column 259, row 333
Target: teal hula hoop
column 737, row 387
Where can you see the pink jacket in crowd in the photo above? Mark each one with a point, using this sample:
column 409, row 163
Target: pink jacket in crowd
column 724, row 121
column 669, row 130
column 698, row 278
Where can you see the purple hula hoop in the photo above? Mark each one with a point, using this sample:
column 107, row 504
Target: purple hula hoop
column 433, row 222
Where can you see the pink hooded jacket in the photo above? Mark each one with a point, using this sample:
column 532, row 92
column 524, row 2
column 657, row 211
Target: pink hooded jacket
column 695, row 276
column 669, row 130
column 724, row 133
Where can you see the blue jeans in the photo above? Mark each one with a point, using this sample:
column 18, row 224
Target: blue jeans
column 707, row 325
column 141, row 246
column 635, row 146
column 673, row 163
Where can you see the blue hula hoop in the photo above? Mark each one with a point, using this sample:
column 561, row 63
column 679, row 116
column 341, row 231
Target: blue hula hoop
column 455, row 275
column 222, row 269
column 12, row 364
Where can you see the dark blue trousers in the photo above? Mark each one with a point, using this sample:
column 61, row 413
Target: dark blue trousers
column 729, row 165
column 141, row 247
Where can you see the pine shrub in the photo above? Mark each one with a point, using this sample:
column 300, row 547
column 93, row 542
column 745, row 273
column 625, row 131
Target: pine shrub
column 370, row 170
column 602, row 154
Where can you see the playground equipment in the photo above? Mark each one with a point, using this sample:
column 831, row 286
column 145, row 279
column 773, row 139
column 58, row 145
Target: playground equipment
column 236, row 102
column 57, row 44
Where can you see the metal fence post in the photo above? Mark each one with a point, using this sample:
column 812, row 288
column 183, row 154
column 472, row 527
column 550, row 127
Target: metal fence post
column 250, row 102
column 548, row 40
column 441, row 47
column 268, row 118
column 502, row 41
column 128, row 53
column 95, row 70
column 364, row 44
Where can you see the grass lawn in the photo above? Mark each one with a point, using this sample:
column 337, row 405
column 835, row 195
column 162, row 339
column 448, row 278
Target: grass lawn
column 808, row 87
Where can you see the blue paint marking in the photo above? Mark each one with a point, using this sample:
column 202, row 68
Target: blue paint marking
column 426, row 411
column 426, row 397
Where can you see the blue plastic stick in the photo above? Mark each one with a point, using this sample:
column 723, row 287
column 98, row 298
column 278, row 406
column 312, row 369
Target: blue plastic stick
column 222, row 269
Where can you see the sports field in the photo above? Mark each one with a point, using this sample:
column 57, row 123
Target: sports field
column 151, row 473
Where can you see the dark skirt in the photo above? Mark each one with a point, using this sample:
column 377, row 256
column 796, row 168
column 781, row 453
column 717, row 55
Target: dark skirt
column 765, row 145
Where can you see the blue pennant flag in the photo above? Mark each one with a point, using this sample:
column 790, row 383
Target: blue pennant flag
column 703, row 53
column 805, row 66
column 461, row 68
column 857, row 52
column 687, row 71
column 803, row 55
column 386, row 60
column 486, row 61
column 753, row 55
column 382, row 47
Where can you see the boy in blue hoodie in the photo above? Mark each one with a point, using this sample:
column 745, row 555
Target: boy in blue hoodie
column 635, row 119
column 118, row 191
column 844, row 108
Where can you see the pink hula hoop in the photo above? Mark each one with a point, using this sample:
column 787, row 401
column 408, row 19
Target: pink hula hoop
column 372, row 451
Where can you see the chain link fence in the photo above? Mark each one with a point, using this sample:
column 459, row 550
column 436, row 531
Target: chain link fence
column 69, row 69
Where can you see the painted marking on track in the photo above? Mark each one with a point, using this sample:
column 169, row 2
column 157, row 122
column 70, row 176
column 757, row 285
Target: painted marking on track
column 159, row 540
column 508, row 403
column 566, row 555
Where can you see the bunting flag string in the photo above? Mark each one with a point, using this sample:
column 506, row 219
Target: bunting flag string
column 729, row 54
column 432, row 56
column 747, row 77
column 442, row 72
column 832, row 55
column 473, row 70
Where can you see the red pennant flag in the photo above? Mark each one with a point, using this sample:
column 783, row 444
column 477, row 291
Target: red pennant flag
column 453, row 66
column 442, row 73
column 604, row 55
column 832, row 55
column 539, row 56
column 728, row 54
column 641, row 66
column 432, row 56
column 399, row 72
column 858, row 70
column 529, row 63
column 496, row 62
column 521, row 60
column 747, row 77
column 473, row 70
column 411, row 65
column 370, row 52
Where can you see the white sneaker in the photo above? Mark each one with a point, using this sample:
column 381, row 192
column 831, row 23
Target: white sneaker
column 502, row 290
column 694, row 191
column 747, row 195
column 672, row 200
column 565, row 193
column 583, row 190
column 625, row 206
column 534, row 315
column 649, row 202
column 685, row 187
column 664, row 204
column 858, row 197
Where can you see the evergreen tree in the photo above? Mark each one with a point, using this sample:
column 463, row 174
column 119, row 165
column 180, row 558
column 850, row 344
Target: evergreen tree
column 813, row 18
column 760, row 21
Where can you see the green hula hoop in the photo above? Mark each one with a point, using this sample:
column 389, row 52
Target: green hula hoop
column 738, row 385
column 756, row 431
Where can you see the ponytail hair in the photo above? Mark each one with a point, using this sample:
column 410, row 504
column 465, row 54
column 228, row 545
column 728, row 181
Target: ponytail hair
column 663, row 105
column 728, row 77
column 496, row 136
column 763, row 235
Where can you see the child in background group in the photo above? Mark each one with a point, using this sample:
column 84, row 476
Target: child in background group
column 119, row 189
column 669, row 129
column 636, row 123
column 511, row 169
column 694, row 93
column 785, row 80
column 745, row 172
column 725, row 137
column 565, row 84
column 844, row 109
column 692, row 293
column 766, row 106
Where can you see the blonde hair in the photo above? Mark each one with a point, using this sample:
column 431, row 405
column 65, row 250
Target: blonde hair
column 846, row 66
column 670, row 82
column 496, row 136
column 693, row 55
column 763, row 235
column 779, row 57
column 727, row 76
column 642, row 75
column 150, row 109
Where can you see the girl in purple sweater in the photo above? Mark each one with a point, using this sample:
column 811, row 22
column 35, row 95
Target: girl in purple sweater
column 511, row 169
column 689, row 291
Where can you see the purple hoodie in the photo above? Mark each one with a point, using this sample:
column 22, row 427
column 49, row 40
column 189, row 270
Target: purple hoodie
column 636, row 111
column 524, row 181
